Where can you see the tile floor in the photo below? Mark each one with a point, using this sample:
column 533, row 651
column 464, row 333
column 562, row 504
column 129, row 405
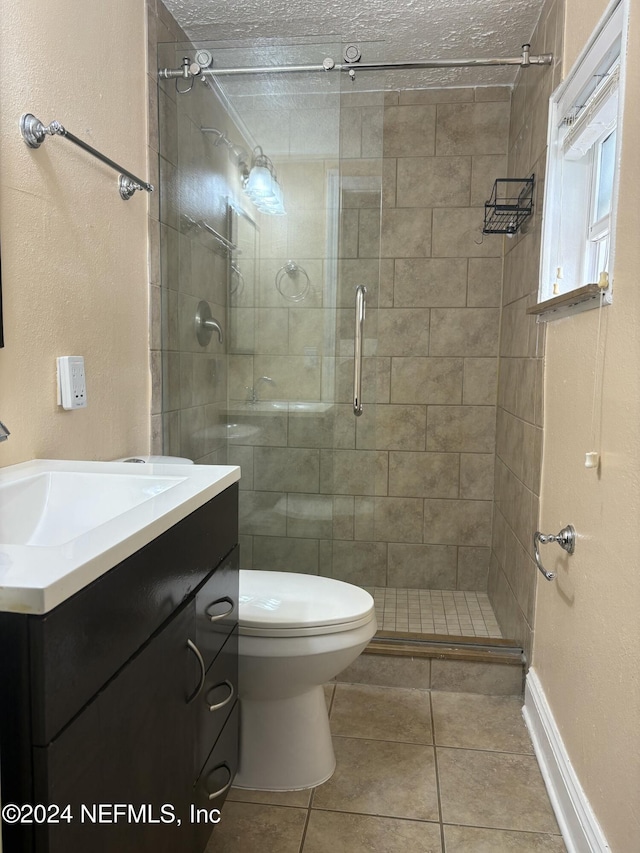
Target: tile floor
column 417, row 771
column 435, row 611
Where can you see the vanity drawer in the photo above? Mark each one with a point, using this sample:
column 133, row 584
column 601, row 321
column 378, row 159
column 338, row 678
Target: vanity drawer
column 218, row 773
column 217, row 608
column 77, row 647
column 217, row 699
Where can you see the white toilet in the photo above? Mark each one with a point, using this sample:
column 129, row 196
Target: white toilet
column 296, row 633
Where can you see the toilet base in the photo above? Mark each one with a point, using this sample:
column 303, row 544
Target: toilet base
column 285, row 744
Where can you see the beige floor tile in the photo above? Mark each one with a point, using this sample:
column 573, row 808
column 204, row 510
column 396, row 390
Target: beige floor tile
column 388, row 671
column 466, row 839
column 476, row 677
column 493, row 789
column 299, row 799
column 328, row 833
column 329, row 690
column 475, row 721
column 382, row 713
column 381, row 778
column 252, row 828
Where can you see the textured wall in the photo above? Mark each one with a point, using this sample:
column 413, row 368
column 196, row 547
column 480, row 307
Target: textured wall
column 587, row 635
column 513, row 574
column 407, row 31
column 74, row 255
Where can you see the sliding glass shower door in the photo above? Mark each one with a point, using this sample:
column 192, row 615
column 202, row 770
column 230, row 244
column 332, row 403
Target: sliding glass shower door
column 300, row 357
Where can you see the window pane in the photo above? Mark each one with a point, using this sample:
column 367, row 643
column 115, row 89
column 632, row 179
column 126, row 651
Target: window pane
column 605, row 179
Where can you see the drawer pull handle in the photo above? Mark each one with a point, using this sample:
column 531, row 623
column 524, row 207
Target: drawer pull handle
column 215, row 617
column 226, row 701
column 224, row 788
column 203, row 672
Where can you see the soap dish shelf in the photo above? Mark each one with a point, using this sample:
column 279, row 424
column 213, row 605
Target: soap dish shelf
column 511, row 203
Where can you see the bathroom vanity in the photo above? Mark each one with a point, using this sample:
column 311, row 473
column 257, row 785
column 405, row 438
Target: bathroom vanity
column 118, row 705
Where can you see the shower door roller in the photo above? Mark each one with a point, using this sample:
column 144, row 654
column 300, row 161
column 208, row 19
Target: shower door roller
column 352, row 54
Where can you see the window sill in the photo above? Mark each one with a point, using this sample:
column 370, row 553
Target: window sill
column 581, row 299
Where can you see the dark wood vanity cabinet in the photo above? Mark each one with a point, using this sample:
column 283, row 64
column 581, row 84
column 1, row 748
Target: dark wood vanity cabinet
column 126, row 695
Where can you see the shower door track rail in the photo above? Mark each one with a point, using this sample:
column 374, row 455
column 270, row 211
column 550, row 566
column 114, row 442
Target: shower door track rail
column 190, row 70
column 445, row 647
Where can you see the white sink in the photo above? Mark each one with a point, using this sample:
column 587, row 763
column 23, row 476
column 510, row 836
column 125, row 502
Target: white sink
column 63, row 524
column 55, row 507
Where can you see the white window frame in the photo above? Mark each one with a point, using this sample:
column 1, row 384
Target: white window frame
column 572, row 181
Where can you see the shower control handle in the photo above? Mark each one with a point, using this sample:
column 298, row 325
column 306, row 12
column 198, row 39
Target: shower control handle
column 361, row 305
column 206, row 324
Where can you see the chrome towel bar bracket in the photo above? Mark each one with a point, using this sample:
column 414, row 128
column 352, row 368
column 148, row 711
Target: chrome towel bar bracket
column 34, row 132
column 566, row 539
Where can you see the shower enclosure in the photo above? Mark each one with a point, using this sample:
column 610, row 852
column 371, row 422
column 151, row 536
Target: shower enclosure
column 396, row 497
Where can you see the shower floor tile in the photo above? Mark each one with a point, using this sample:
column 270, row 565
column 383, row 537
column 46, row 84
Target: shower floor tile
column 435, row 611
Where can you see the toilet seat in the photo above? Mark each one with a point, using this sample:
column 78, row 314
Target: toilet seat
column 290, row 604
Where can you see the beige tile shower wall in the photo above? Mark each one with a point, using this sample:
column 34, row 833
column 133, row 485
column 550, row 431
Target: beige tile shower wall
column 162, row 28
column 196, row 179
column 405, row 500
column 438, row 326
column 279, row 330
column 512, row 573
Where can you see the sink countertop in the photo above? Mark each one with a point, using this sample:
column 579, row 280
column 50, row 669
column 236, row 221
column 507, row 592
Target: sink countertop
column 42, row 567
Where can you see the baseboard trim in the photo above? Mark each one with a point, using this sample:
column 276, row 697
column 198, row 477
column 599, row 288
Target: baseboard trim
column 580, row 829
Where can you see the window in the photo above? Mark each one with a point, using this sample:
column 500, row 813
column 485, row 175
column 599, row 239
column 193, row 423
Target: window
column 599, row 232
column 579, row 215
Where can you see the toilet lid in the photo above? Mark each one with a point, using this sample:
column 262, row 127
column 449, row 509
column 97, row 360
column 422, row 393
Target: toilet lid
column 280, row 601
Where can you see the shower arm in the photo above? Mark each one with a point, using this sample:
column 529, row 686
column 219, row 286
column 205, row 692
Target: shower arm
column 195, row 70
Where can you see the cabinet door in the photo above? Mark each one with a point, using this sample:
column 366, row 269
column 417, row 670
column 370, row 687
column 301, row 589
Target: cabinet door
column 69, row 772
column 148, row 728
column 133, row 746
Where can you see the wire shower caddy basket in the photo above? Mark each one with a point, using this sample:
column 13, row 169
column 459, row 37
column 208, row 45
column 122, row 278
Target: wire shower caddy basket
column 510, row 204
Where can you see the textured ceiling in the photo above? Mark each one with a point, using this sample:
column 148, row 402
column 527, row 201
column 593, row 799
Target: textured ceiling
column 404, row 30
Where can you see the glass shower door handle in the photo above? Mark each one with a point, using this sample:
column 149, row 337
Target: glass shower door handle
column 361, row 304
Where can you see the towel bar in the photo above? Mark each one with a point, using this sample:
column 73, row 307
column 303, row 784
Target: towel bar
column 566, row 539
column 34, row 133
